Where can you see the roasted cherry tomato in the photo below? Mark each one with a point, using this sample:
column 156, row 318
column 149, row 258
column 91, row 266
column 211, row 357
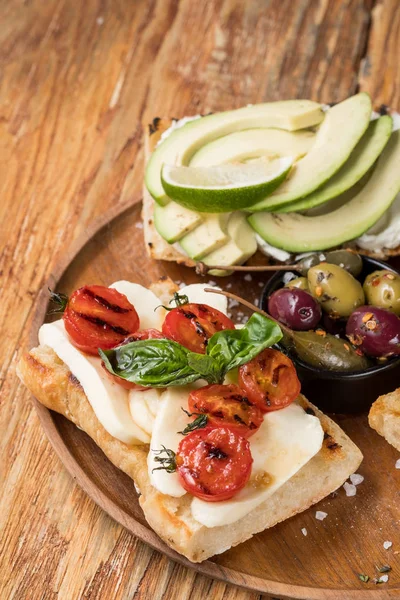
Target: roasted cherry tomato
column 226, row 406
column 192, row 325
column 146, row 334
column 270, row 380
column 99, row 317
column 214, row 463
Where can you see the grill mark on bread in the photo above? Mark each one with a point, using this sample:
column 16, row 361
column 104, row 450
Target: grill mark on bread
column 330, row 443
column 74, row 380
column 36, row 364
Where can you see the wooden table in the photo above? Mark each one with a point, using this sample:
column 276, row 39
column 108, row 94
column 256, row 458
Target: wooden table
column 77, row 80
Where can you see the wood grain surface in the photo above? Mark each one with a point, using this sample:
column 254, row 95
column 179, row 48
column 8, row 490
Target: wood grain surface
column 77, row 80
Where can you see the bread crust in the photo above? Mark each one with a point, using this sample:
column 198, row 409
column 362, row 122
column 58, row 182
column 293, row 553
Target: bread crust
column 384, row 417
column 51, row 382
column 159, row 249
column 156, row 247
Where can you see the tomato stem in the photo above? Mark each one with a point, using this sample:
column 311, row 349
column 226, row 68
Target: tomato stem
column 168, row 462
column 199, row 422
column 59, row 300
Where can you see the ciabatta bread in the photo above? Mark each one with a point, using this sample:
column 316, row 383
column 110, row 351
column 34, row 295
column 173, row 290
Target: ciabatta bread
column 384, row 417
column 51, row 382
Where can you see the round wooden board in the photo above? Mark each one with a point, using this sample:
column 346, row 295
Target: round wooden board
column 324, row 565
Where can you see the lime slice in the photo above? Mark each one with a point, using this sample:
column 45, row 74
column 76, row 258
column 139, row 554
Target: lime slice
column 225, row 187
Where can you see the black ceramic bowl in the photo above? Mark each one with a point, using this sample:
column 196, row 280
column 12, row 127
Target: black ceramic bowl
column 340, row 392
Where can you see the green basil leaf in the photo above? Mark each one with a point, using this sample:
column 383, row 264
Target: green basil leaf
column 234, row 347
column 207, row 366
column 153, row 363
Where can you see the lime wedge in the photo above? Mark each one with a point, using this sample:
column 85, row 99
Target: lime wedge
column 226, row 187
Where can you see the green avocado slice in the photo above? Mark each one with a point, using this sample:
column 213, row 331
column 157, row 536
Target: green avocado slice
column 175, row 221
column 298, row 233
column 179, row 147
column 340, row 132
column 241, row 245
column 254, row 143
column 207, row 237
column 361, row 160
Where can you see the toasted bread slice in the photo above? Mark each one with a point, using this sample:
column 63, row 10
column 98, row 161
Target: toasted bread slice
column 51, row 382
column 159, row 249
column 384, row 417
column 156, row 246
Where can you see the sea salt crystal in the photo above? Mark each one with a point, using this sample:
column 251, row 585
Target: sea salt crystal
column 256, row 302
column 248, row 277
column 398, row 464
column 350, row 489
column 304, row 531
column 356, row 479
column 387, row 545
column 139, row 225
column 260, row 284
column 321, row 515
column 383, row 579
column 100, row 20
column 228, row 286
column 212, row 283
column 232, row 303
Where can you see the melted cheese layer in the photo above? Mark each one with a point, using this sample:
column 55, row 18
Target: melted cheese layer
column 108, row 399
column 285, row 442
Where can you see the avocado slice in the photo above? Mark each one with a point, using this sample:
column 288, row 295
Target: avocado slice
column 340, row 132
column 181, row 145
column 299, row 233
column 175, row 221
column 241, row 246
column 361, row 160
column 253, row 143
column 210, row 235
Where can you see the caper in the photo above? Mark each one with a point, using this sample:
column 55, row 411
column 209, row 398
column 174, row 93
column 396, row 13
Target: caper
column 299, row 282
column 337, row 291
column 382, row 289
column 307, row 262
column 325, row 351
column 351, row 261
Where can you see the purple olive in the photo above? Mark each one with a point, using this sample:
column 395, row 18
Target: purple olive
column 295, row 308
column 376, row 331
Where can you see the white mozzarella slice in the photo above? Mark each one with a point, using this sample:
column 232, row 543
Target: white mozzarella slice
column 140, row 402
column 195, row 292
column 108, row 399
column 285, row 442
column 169, row 420
column 147, row 305
column 152, row 401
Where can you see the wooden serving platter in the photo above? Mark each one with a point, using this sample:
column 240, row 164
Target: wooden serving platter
column 282, row 561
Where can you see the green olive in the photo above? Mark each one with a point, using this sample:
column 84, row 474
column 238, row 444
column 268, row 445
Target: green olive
column 307, row 262
column 325, row 351
column 382, row 288
column 351, row 261
column 337, row 291
column 299, row 282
